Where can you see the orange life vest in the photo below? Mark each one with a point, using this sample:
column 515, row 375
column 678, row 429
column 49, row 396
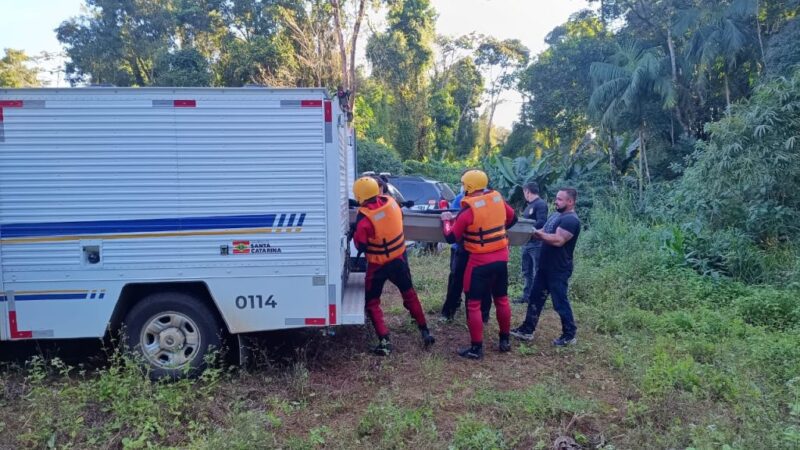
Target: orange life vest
column 487, row 233
column 388, row 242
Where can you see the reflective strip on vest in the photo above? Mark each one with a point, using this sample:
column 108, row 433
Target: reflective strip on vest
column 487, row 233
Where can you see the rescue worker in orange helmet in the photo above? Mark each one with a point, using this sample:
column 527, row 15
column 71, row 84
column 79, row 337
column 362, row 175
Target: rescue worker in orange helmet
column 379, row 234
column 480, row 227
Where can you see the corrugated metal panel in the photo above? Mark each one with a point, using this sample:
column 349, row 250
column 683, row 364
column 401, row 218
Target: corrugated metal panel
column 95, row 155
column 343, row 139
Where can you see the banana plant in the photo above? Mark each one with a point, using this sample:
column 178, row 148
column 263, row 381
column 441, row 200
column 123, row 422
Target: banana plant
column 509, row 175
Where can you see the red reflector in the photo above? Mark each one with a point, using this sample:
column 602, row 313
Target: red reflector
column 315, row 321
column 328, row 112
column 310, row 103
column 15, row 333
column 331, row 314
column 184, row 103
column 10, row 103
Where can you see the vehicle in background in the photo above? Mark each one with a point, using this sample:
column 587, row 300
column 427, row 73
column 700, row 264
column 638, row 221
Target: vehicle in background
column 424, row 192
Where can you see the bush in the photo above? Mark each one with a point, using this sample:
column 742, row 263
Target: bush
column 377, row 157
column 449, row 172
column 778, row 310
column 747, row 175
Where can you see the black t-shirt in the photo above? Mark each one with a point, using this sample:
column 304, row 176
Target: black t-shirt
column 536, row 211
column 558, row 260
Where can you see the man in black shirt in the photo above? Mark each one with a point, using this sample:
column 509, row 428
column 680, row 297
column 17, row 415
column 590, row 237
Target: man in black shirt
column 536, row 211
column 559, row 236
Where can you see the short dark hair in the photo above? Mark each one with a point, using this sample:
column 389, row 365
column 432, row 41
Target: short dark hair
column 531, row 187
column 381, row 183
column 573, row 194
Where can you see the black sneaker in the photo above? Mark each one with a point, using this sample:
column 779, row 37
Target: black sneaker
column 384, row 347
column 427, row 338
column 564, row 341
column 521, row 333
column 505, row 345
column 471, row 352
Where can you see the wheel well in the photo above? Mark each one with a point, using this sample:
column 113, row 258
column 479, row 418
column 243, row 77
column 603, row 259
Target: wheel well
column 133, row 293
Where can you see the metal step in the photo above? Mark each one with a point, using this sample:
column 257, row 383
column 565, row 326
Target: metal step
column 353, row 300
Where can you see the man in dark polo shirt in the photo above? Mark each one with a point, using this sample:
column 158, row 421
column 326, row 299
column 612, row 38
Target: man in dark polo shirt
column 559, row 236
column 536, row 210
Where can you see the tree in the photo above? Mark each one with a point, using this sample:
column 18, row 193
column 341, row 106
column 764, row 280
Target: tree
column 256, row 46
column 624, row 86
column 747, row 176
column 121, row 42
column 186, row 67
column 444, row 114
column 309, row 33
column 783, row 53
column 400, row 57
column 501, row 61
column 721, row 36
column 348, row 75
column 15, row 73
column 116, row 42
column 556, row 86
column 466, row 87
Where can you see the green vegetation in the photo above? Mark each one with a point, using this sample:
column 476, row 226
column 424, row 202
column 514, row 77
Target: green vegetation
column 678, row 122
column 667, row 358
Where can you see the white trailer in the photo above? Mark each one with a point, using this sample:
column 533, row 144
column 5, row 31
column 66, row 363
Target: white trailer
column 178, row 212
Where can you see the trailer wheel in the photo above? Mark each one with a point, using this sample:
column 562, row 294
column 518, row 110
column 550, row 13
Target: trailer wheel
column 172, row 333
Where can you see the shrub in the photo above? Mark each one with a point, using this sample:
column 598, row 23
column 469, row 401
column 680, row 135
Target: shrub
column 776, row 309
column 449, row 172
column 377, row 157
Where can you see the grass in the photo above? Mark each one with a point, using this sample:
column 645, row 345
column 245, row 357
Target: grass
column 666, row 359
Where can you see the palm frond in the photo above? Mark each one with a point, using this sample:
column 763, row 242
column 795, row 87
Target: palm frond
column 601, row 72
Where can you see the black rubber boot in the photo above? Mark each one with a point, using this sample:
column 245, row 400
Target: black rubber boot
column 384, row 347
column 474, row 351
column 505, row 344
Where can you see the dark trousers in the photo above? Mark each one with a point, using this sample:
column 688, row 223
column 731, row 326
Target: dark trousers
column 398, row 272
column 455, row 285
column 488, row 281
column 455, row 281
column 530, row 259
column 556, row 284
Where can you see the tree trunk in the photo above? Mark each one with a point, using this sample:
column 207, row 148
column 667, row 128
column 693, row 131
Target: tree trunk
column 678, row 114
column 644, row 156
column 612, row 150
column 758, row 30
column 340, row 38
column 727, row 93
column 641, row 166
column 356, row 27
column 488, row 141
column 672, row 131
column 671, row 47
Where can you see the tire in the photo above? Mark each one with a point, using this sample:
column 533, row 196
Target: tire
column 172, row 333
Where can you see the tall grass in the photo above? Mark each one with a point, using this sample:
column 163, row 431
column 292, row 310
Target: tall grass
column 715, row 361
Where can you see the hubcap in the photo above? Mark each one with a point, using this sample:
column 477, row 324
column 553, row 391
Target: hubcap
column 170, row 340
